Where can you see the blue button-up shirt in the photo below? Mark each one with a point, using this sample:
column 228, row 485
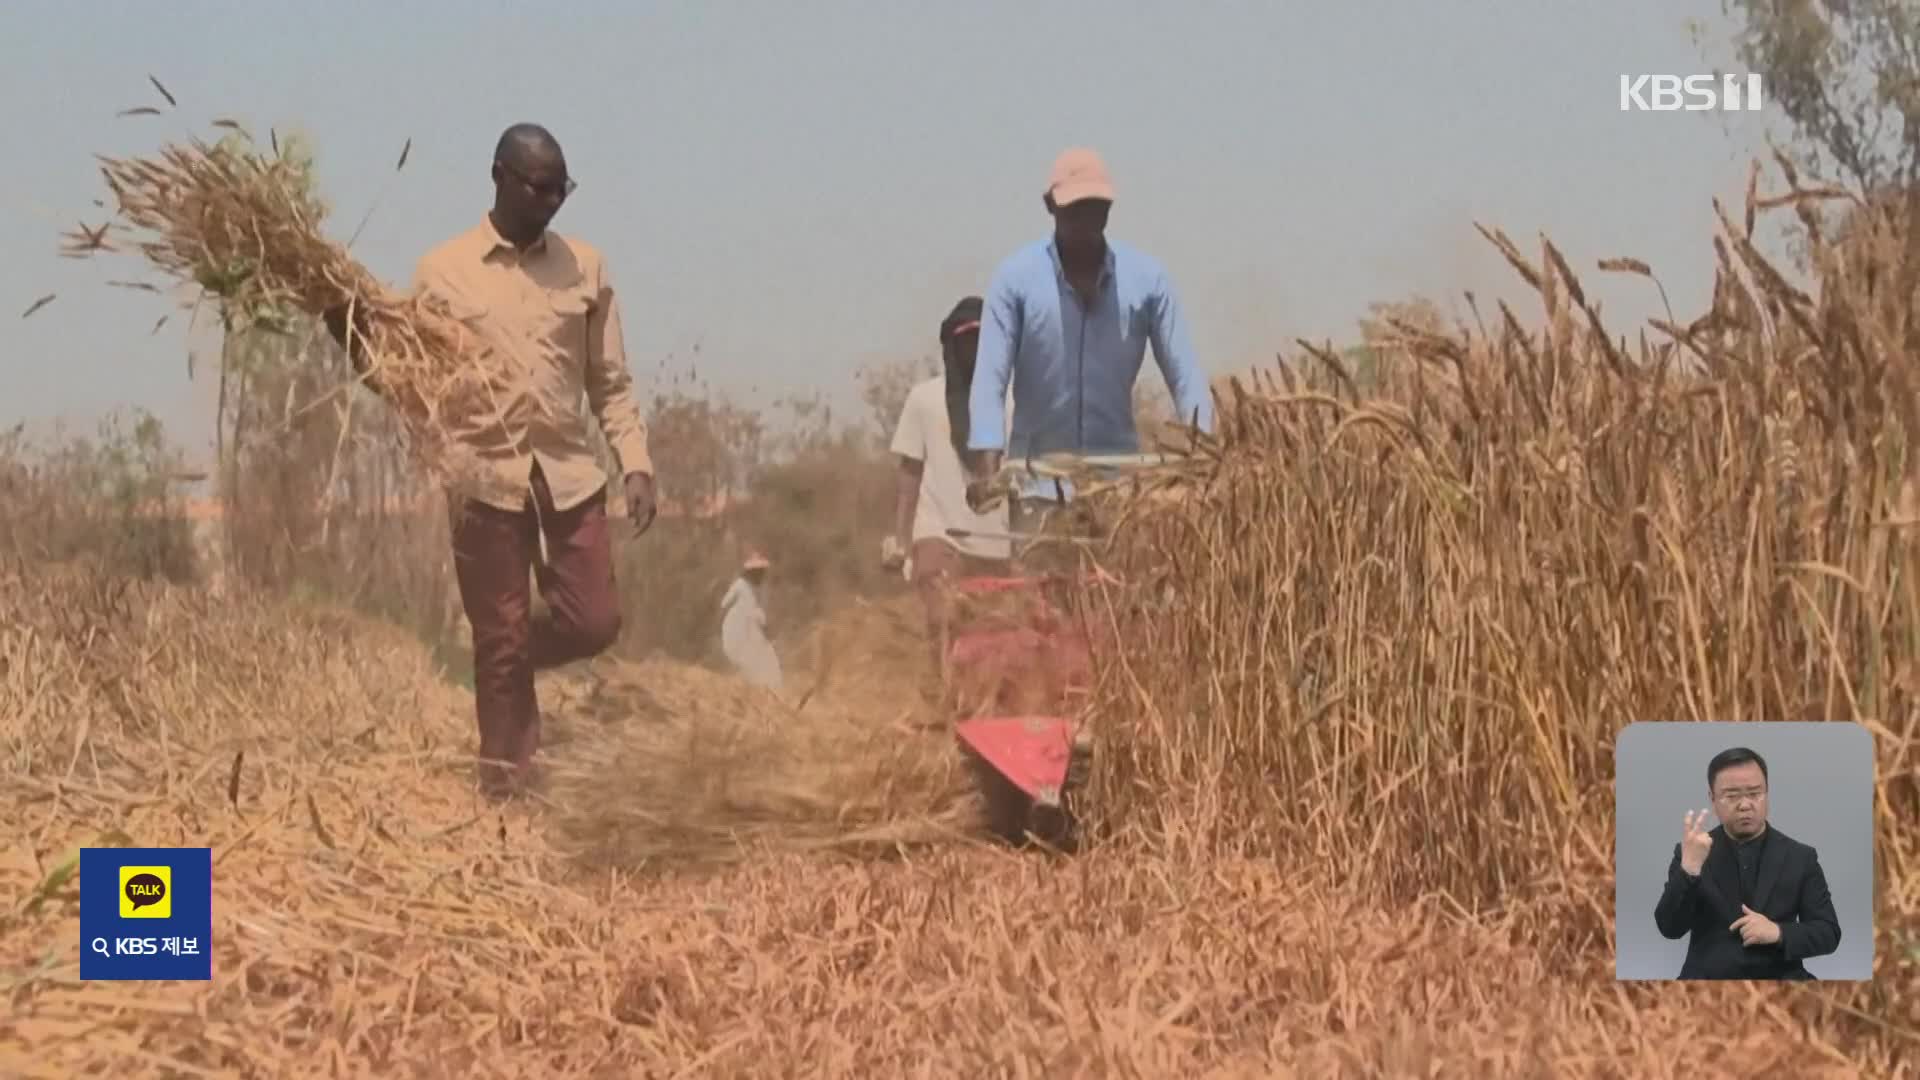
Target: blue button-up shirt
column 1073, row 367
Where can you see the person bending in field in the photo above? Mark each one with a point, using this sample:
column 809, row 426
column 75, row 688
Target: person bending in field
column 542, row 502
column 931, row 494
column 1067, row 322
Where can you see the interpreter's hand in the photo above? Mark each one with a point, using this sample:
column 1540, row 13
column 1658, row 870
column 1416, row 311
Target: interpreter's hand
column 892, row 554
column 1695, row 842
column 1755, row 928
column 641, row 504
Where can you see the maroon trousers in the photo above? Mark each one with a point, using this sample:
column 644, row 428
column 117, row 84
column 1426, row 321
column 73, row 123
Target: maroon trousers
column 493, row 550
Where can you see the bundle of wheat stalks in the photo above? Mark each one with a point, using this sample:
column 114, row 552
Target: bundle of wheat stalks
column 243, row 226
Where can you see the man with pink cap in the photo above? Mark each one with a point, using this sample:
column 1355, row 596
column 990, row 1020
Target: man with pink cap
column 743, row 626
column 1067, row 323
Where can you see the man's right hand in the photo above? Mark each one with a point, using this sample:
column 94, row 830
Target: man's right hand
column 335, row 319
column 1695, row 842
column 986, row 463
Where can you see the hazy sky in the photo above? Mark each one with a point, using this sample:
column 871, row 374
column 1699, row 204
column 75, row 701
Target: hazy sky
column 797, row 189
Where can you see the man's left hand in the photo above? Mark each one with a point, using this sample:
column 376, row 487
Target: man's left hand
column 1755, row 928
column 641, row 504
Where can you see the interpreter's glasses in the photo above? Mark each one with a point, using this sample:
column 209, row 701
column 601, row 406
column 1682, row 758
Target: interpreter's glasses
column 1735, row 798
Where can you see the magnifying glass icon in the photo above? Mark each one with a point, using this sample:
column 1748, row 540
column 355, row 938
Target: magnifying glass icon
column 100, row 946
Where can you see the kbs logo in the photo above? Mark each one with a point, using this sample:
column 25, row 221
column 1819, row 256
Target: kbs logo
column 1693, row 93
column 146, row 913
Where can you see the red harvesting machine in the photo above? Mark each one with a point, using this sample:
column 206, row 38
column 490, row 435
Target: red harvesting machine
column 1014, row 678
column 1017, row 668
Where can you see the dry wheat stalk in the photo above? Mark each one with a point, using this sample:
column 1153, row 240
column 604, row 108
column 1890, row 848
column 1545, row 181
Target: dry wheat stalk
column 242, row 227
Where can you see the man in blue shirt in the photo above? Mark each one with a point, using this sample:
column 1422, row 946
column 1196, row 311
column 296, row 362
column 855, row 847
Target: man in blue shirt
column 1067, row 321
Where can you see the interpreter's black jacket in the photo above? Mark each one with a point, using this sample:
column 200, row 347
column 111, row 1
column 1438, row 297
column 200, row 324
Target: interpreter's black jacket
column 1790, row 889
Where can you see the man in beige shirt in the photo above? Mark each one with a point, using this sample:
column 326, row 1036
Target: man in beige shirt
column 546, row 303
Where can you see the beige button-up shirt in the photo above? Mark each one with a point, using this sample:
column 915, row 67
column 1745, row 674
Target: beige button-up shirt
column 552, row 312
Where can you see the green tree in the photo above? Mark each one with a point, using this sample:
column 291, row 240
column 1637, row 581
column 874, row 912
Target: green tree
column 1847, row 75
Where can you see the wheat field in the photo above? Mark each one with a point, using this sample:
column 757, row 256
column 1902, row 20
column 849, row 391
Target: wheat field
column 1352, row 806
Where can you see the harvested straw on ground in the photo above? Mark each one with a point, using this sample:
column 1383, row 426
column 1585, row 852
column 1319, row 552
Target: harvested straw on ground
column 683, row 765
column 867, row 651
column 871, row 652
column 373, row 918
column 244, row 226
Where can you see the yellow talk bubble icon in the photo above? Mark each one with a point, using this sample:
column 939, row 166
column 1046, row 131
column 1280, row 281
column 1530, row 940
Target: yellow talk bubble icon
column 146, row 892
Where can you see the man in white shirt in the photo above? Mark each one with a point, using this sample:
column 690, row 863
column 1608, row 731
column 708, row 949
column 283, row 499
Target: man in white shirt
column 931, row 496
column 743, row 626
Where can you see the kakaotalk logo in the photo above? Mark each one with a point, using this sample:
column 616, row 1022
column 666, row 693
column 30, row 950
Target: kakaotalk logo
column 1691, row 93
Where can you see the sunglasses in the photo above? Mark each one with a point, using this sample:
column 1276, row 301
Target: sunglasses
column 563, row 189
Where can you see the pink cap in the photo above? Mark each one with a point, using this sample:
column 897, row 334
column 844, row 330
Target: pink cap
column 1079, row 174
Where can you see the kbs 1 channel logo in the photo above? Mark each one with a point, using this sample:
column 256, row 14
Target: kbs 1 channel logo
column 146, row 913
column 1690, row 93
